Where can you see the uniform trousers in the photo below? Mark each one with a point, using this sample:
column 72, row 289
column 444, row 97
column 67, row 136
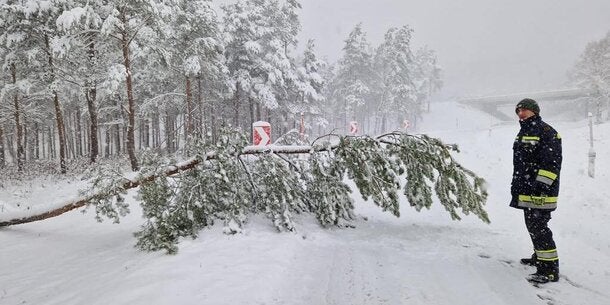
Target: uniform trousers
column 536, row 221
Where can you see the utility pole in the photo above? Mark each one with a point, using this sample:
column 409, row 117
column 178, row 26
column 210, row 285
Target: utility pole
column 591, row 150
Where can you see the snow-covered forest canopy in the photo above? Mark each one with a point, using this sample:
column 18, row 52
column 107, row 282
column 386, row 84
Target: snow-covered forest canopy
column 101, row 79
column 84, row 79
column 592, row 72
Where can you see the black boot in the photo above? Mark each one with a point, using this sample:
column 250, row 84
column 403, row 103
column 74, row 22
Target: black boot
column 530, row 261
column 546, row 272
column 543, row 277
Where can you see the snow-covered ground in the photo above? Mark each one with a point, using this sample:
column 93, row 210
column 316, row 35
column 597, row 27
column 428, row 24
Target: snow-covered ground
column 419, row 258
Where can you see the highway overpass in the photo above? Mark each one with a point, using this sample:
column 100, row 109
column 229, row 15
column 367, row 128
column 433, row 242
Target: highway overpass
column 501, row 106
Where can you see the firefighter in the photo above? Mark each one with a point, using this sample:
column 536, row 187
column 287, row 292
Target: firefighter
column 535, row 186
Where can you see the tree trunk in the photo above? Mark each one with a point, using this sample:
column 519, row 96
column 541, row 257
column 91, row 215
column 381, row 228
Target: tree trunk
column 236, row 104
column 2, row 155
column 61, row 132
column 117, row 139
column 108, row 148
column 131, row 149
column 37, row 140
column 10, row 147
column 189, row 108
column 90, row 97
column 201, row 123
column 70, row 136
column 78, row 133
column 145, row 133
column 51, row 142
column 17, row 116
column 156, row 133
column 27, row 145
column 251, row 106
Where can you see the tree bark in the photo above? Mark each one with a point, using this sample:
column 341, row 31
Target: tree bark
column 108, row 149
column 236, row 105
column 37, row 140
column 131, row 149
column 189, row 108
column 201, row 123
column 61, row 131
column 2, row 155
column 18, row 127
column 78, row 133
column 170, row 138
column 91, row 96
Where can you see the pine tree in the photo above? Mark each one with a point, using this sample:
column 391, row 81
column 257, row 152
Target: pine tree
column 84, row 55
column 229, row 182
column 308, row 97
column 28, row 62
column 353, row 85
column 428, row 74
column 259, row 36
column 396, row 65
column 592, row 71
column 136, row 26
column 196, row 45
column 42, row 16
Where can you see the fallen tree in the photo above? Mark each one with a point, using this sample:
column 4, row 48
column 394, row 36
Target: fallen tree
column 228, row 181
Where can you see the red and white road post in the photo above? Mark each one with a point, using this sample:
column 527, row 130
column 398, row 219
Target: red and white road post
column 353, row 127
column 261, row 133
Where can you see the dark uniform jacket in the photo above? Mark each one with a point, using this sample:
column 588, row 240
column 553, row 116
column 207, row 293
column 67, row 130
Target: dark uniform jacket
column 537, row 163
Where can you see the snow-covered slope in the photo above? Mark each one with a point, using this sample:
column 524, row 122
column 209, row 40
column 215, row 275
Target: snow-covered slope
column 419, row 258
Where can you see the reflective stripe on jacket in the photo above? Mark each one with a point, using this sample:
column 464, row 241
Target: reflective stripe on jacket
column 536, row 162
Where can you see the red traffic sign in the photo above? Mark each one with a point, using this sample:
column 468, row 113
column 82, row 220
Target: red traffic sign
column 261, row 133
column 353, row 127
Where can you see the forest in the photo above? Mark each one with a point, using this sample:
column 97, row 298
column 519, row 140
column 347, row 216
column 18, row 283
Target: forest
column 86, row 79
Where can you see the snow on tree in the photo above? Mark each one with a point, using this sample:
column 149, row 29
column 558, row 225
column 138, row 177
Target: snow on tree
column 80, row 45
column 592, row 71
column 136, row 26
column 146, row 53
column 195, row 50
column 229, row 181
column 428, row 74
column 308, row 89
column 28, row 58
column 259, row 37
column 395, row 63
column 353, row 83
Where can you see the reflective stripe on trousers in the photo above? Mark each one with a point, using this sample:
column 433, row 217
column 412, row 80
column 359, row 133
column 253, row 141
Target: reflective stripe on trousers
column 547, row 255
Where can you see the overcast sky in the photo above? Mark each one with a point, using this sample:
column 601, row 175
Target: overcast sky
column 484, row 46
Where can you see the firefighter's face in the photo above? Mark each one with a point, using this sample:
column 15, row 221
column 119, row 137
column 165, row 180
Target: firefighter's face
column 524, row 113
